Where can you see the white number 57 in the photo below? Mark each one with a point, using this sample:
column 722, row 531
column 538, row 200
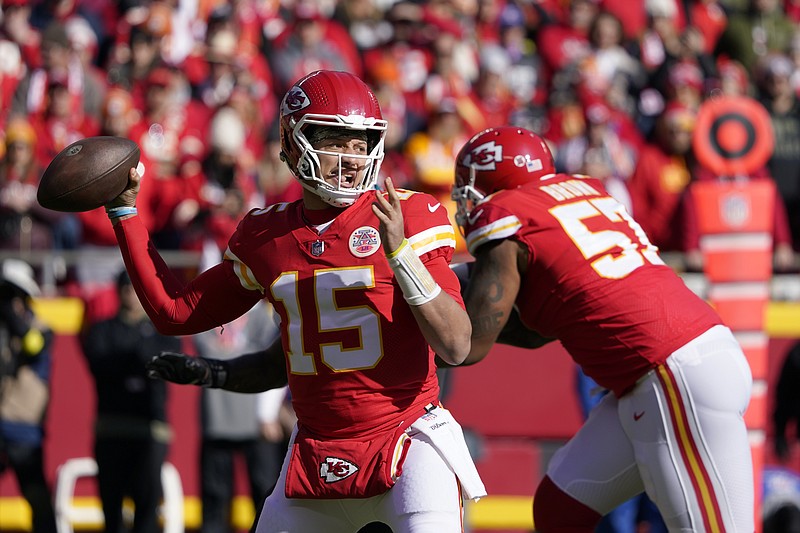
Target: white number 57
column 594, row 244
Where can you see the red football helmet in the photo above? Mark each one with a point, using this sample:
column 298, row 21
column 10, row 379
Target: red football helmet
column 333, row 99
column 506, row 157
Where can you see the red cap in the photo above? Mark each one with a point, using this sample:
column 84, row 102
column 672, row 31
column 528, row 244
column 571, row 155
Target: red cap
column 160, row 76
column 686, row 73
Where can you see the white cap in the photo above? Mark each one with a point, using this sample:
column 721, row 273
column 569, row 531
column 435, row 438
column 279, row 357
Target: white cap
column 227, row 131
column 20, row 274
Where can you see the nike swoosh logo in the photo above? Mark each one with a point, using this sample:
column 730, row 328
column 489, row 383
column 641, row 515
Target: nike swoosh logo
column 637, row 416
column 434, row 207
column 474, row 217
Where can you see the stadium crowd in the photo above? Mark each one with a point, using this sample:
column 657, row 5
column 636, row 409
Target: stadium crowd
column 614, row 85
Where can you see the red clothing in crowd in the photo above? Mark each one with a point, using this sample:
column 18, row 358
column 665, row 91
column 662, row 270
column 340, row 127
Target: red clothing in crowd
column 656, row 188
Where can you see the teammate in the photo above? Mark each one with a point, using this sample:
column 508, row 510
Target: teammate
column 559, row 256
column 361, row 282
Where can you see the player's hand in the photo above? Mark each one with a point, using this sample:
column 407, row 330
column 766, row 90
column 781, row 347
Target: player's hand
column 179, row 368
column 391, row 217
column 127, row 198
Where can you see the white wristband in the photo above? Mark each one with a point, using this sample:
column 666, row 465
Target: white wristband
column 417, row 284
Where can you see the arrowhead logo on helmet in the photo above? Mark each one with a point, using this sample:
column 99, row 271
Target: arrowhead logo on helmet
column 295, row 100
column 485, row 156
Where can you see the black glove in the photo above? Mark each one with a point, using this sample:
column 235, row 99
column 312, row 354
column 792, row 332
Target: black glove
column 186, row 370
column 781, row 447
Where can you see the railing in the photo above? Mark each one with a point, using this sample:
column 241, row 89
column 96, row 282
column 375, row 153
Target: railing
column 51, row 267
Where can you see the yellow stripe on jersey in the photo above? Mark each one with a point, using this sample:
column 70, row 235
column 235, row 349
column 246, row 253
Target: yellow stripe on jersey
column 499, row 229
column 433, row 238
column 243, row 272
column 695, row 466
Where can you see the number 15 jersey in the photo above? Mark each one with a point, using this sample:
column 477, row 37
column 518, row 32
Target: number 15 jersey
column 356, row 359
column 594, row 281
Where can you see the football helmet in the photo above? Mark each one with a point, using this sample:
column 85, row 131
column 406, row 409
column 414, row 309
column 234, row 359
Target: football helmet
column 505, row 157
column 331, row 99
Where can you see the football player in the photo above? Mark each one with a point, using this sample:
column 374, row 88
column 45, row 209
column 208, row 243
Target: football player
column 560, row 257
column 360, row 279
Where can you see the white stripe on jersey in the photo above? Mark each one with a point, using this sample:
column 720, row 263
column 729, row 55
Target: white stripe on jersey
column 499, row 229
column 433, row 238
column 243, row 272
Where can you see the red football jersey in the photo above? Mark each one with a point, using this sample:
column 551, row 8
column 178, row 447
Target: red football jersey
column 356, row 358
column 594, row 280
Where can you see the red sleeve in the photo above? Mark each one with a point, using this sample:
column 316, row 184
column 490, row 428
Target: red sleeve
column 446, row 278
column 212, row 299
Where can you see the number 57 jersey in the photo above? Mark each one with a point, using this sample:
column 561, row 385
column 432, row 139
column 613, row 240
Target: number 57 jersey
column 356, row 359
column 594, row 281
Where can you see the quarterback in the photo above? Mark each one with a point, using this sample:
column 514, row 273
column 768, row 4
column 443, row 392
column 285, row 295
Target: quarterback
column 360, row 279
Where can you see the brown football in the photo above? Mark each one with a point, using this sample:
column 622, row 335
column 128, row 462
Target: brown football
column 88, row 173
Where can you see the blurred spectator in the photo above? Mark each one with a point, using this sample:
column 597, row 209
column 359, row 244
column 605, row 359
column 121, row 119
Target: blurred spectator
column 139, row 48
column 776, row 94
column 431, row 152
column 409, row 49
column 84, row 45
column 15, row 26
column 312, row 42
column 225, row 187
column 710, row 19
column 59, row 125
column 685, row 84
column 364, row 21
column 14, row 65
column 131, row 430
column 763, row 28
column 453, row 72
column 24, row 224
column 773, row 75
column 600, row 153
column 235, row 424
column 661, row 174
column 491, row 101
column 564, row 43
column 25, row 364
column 733, row 78
column 59, row 62
column 608, row 63
column 525, row 77
column 172, row 131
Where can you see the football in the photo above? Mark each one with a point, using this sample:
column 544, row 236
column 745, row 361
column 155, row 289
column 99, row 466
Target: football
column 88, row 174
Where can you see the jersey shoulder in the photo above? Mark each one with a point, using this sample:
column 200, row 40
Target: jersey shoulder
column 495, row 218
column 427, row 223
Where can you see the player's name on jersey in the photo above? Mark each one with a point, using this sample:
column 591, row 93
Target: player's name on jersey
column 569, row 189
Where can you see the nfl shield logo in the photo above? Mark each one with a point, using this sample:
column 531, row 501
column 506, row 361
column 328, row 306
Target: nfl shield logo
column 317, row 247
column 735, row 210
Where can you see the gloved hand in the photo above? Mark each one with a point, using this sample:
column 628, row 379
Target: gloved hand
column 180, row 368
column 781, row 447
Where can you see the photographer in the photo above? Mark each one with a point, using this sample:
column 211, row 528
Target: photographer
column 25, row 359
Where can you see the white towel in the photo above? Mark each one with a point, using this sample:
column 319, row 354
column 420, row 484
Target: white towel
column 440, row 429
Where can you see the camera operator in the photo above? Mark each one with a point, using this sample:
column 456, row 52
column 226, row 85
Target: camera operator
column 25, row 358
